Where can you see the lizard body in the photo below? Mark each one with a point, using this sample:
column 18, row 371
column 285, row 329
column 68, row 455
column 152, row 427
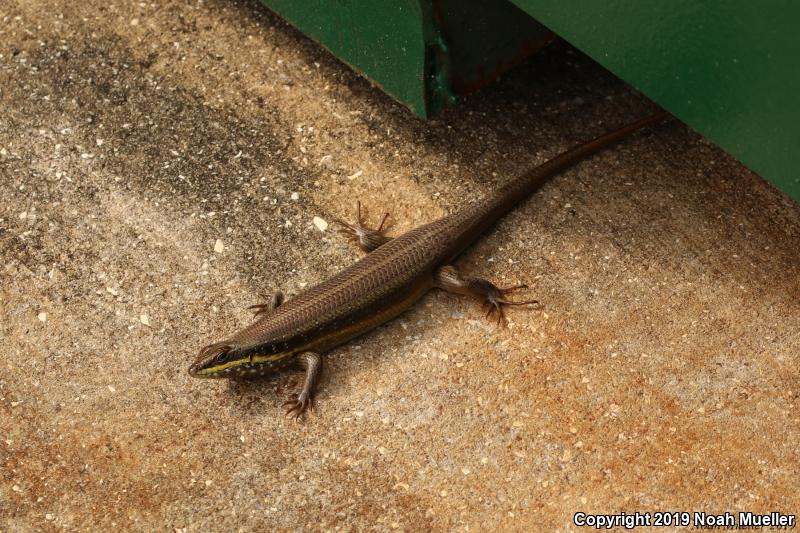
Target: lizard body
column 388, row 280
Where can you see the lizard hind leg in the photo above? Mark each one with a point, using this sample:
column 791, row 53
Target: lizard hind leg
column 494, row 298
column 368, row 239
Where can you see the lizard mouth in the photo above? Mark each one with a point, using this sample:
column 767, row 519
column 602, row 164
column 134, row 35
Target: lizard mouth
column 208, row 364
column 199, row 369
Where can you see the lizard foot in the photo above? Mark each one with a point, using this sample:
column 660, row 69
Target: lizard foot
column 495, row 301
column 494, row 298
column 298, row 404
column 274, row 302
column 303, row 401
column 368, row 239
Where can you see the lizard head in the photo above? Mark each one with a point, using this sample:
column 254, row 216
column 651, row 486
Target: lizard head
column 224, row 360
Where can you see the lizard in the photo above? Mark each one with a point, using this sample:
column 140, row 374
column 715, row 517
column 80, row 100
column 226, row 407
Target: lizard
column 395, row 273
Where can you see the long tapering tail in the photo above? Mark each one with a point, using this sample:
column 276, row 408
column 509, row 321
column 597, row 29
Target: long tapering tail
column 519, row 188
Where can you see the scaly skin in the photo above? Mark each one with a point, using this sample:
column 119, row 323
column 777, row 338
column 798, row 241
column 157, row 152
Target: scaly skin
column 383, row 284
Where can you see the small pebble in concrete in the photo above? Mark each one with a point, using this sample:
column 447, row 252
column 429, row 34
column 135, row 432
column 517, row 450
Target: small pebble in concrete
column 320, row 223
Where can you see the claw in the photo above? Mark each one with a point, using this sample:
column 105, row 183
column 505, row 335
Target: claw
column 383, row 220
column 291, row 401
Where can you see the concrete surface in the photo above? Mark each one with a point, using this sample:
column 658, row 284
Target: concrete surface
column 160, row 168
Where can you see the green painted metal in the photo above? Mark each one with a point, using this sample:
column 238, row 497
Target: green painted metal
column 728, row 68
column 484, row 39
column 385, row 40
column 425, row 53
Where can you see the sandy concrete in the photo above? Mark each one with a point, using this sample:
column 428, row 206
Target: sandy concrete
column 160, row 168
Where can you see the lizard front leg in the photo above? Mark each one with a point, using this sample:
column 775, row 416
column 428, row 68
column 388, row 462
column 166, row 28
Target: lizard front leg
column 299, row 402
column 494, row 298
column 368, row 239
column 274, row 302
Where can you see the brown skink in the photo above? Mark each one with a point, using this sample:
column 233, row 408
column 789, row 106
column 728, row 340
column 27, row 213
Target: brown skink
column 395, row 273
